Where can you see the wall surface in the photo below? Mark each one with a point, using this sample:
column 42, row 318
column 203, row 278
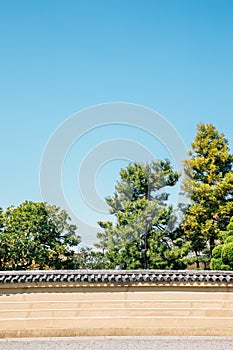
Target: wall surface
column 90, row 303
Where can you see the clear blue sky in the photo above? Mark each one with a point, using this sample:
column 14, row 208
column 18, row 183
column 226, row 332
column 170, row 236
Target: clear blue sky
column 59, row 57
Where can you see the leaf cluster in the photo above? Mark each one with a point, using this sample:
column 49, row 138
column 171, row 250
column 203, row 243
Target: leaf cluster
column 36, row 236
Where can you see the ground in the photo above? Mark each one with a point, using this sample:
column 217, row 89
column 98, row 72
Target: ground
column 119, row 343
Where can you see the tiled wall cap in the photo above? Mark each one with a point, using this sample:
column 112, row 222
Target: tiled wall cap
column 116, row 276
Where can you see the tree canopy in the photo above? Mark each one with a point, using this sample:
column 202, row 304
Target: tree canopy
column 143, row 234
column 222, row 257
column 209, row 185
column 36, row 235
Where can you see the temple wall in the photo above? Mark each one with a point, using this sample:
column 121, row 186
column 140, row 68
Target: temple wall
column 70, row 303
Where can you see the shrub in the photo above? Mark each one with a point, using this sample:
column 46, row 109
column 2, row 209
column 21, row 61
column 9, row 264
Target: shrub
column 229, row 239
column 227, row 254
column 216, row 263
column 217, row 251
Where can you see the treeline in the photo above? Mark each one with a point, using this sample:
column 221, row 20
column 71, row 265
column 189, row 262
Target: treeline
column 147, row 232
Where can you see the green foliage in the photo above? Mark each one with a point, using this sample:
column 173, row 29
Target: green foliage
column 145, row 223
column 36, row 235
column 222, row 258
column 227, row 254
column 229, row 239
column 226, row 236
column 89, row 259
column 209, row 185
column 217, row 264
column 217, row 251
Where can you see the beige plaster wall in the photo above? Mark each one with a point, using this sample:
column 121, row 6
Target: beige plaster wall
column 69, row 309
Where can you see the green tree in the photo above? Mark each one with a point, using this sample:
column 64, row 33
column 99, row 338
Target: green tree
column 36, row 235
column 222, row 257
column 143, row 234
column 209, row 185
column 89, row 259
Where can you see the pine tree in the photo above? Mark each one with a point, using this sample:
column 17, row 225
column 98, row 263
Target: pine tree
column 143, row 235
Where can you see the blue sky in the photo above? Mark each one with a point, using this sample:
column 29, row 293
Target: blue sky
column 59, row 57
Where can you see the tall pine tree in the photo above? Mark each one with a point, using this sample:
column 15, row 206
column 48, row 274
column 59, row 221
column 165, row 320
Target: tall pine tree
column 143, row 235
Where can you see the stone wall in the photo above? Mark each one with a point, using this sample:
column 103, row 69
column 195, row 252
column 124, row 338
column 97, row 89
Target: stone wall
column 70, row 303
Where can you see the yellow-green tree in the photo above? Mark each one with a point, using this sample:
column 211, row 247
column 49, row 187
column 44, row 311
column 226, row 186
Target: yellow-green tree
column 208, row 184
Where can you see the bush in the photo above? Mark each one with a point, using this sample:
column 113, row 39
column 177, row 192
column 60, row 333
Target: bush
column 227, row 254
column 217, row 251
column 229, row 239
column 216, row 263
column 225, row 267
